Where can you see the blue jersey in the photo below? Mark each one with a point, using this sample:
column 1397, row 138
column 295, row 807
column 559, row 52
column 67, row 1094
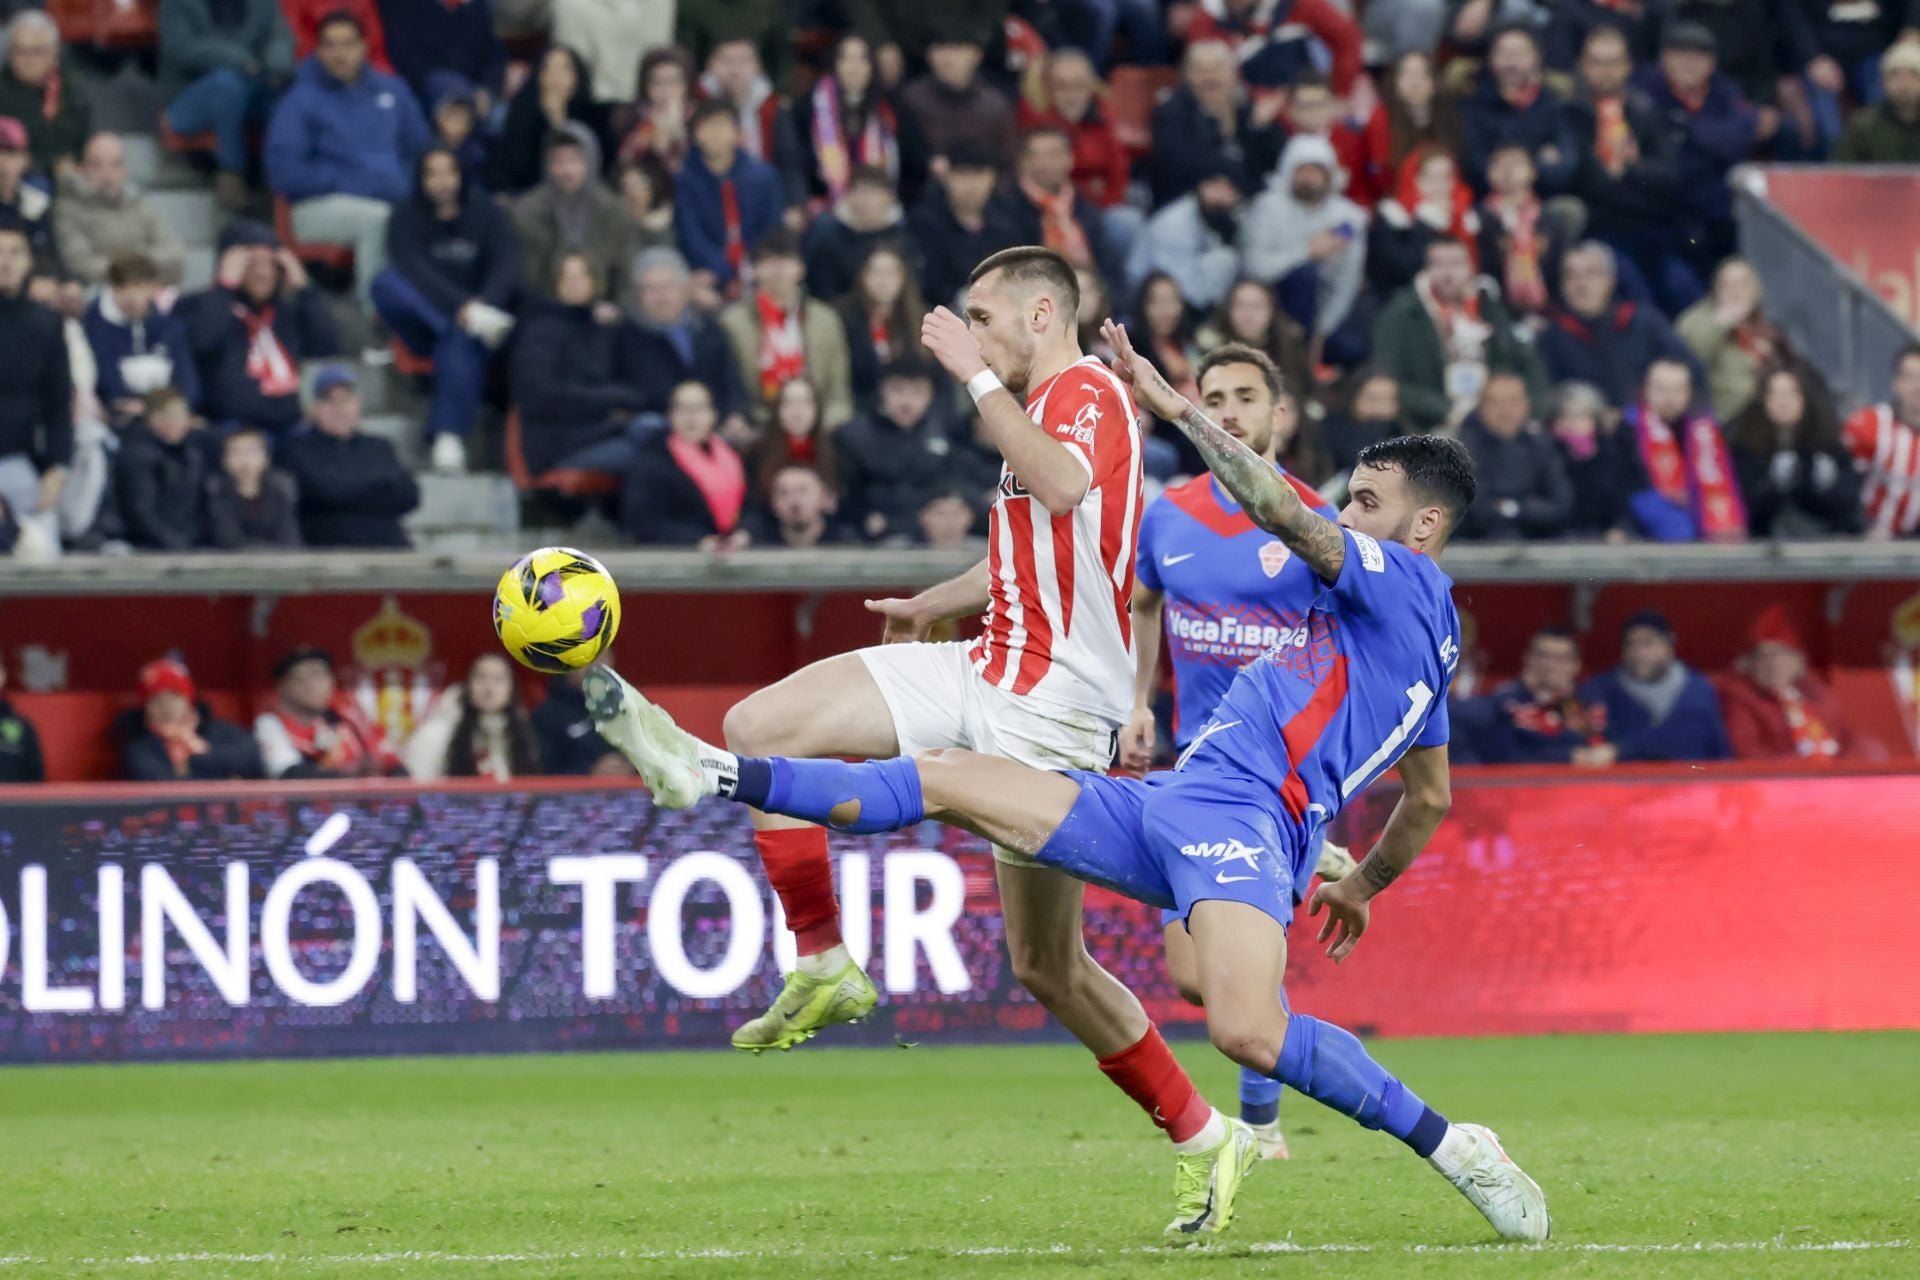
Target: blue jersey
column 1233, row 591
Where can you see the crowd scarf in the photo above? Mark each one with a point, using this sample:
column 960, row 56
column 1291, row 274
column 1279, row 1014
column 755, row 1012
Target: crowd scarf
column 50, row 96
column 716, row 471
column 882, row 340
column 1525, row 279
column 268, row 363
column 340, row 739
column 643, row 140
column 1811, row 737
column 1695, row 473
column 1610, row 132
column 1524, row 100
column 1690, row 102
column 1755, row 338
column 783, row 351
column 1460, row 222
column 730, row 216
column 1448, row 318
column 878, row 143
column 1060, row 231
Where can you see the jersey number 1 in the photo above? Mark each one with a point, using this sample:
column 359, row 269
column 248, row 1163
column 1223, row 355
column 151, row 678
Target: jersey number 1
column 1422, row 698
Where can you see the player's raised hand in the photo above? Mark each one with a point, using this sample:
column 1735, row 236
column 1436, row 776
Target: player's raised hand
column 1347, row 911
column 952, row 343
column 1134, row 369
column 906, row 623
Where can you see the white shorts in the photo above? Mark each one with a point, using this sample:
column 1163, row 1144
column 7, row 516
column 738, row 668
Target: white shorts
column 938, row 700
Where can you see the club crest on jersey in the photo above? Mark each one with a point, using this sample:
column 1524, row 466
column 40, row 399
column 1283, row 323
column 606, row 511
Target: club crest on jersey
column 1273, row 558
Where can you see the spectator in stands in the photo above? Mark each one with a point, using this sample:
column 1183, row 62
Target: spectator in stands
column 1049, row 210
column 1309, row 244
column 687, row 486
column 1512, row 103
column 798, row 514
column 779, row 332
column 316, row 730
column 251, row 504
column 1278, row 41
column 353, row 488
column 657, row 124
column 840, row 240
column 1596, row 338
column 1163, row 329
column 20, row 759
column 1313, row 111
column 36, row 400
column 947, row 522
column 667, row 341
column 1195, row 240
column 1695, row 490
column 1207, row 126
column 725, row 201
column 98, row 217
column 577, row 406
column 1521, row 240
column 1603, row 468
column 475, row 729
column 573, row 212
column 1428, row 201
column 1887, row 132
column 708, row 27
column 172, row 734
column 903, row 35
column 1523, row 494
column 1762, row 47
column 220, row 64
column 341, row 148
column 1370, row 415
column 614, row 38
column 1775, row 708
column 137, row 348
column 1795, row 474
column 1411, row 112
column 456, row 127
column 898, row 458
column 252, row 329
column 1717, row 131
column 1885, row 442
column 952, row 102
column 1657, row 707
column 1068, row 98
column 1537, row 719
column 305, row 18
column 1249, row 315
column 1855, row 39
column 1627, row 169
column 22, row 203
column 160, row 476
column 556, row 99
column 449, row 293
column 796, row 440
column 1445, row 335
column 958, row 223
column 646, row 189
column 881, row 314
column 1730, row 334
column 736, row 75
column 847, row 124
column 38, row 91
column 431, row 44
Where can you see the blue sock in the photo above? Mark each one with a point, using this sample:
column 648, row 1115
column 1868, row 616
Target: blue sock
column 888, row 791
column 1259, row 1097
column 1331, row 1066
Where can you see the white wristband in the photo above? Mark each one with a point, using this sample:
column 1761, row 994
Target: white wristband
column 982, row 384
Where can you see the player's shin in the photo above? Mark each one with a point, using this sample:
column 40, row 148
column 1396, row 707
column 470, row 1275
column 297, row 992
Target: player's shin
column 877, row 795
column 1259, row 1097
column 800, row 870
column 1330, row 1065
column 1147, row 1072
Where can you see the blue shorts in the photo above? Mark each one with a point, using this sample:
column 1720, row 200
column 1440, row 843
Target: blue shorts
column 1173, row 839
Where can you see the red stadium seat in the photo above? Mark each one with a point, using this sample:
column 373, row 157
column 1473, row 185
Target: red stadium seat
column 1132, row 94
column 570, row 481
column 314, row 255
column 107, row 24
column 184, row 143
column 409, row 361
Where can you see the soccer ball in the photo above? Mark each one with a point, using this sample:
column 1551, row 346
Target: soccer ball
column 556, row 609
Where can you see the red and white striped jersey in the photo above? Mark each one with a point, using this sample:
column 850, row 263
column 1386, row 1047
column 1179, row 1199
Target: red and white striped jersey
column 1058, row 627
column 1889, row 454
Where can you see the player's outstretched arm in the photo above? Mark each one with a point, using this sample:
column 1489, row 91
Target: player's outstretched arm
column 1425, row 797
column 961, row 596
column 1269, row 501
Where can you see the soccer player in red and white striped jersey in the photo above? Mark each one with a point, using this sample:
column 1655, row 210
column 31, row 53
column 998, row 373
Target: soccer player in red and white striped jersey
column 1885, row 439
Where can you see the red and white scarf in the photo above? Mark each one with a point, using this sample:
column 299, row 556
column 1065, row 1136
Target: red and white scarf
column 1059, row 229
column 783, row 349
column 1811, row 737
column 1693, row 470
column 837, row 156
column 267, row 361
column 730, row 216
column 1525, row 281
column 716, row 471
column 1610, row 132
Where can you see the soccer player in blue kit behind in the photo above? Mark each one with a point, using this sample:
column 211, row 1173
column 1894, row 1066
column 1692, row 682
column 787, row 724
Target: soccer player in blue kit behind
column 1222, row 591
column 1224, row 838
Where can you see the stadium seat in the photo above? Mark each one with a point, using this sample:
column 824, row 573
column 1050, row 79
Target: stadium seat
column 573, row 482
column 1132, row 94
column 408, row 361
column 184, row 144
column 336, row 256
column 107, row 24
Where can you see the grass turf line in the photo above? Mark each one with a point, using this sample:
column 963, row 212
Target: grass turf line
column 948, row 1162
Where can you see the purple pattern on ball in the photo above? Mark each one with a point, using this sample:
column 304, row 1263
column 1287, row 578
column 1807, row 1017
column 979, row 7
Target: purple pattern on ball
column 592, row 618
column 552, row 589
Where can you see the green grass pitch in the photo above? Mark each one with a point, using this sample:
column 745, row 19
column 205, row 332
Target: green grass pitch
column 1765, row 1151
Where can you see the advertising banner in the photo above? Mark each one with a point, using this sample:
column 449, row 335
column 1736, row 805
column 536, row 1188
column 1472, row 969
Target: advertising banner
column 291, row 922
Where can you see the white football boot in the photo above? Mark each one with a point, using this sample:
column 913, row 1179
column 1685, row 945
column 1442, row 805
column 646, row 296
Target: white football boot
column 1497, row 1187
column 1335, row 862
column 667, row 757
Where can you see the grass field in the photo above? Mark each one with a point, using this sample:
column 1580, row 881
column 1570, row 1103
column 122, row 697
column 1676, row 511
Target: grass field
column 1717, row 1156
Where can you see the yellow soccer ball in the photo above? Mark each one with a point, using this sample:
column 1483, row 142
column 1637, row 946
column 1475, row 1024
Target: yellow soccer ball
column 556, row 609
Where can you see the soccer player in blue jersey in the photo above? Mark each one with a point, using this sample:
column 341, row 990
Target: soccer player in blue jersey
column 1222, row 591
column 1224, row 837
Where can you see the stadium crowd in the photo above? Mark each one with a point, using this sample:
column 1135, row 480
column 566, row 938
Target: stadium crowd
column 673, row 257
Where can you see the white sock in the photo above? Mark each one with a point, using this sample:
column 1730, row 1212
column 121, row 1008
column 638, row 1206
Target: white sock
column 719, row 770
column 1454, row 1151
column 824, row 964
column 1211, row 1135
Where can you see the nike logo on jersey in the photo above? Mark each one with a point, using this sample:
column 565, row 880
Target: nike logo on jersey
column 1167, row 562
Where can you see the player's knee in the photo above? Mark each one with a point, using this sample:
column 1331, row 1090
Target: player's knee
column 1048, row 972
column 750, row 730
column 1250, row 1040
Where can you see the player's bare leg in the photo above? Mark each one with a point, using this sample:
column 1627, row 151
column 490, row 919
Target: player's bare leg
column 1240, row 957
column 1259, row 1094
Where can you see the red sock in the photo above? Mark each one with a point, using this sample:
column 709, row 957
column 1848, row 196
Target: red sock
column 802, row 874
column 1147, row 1073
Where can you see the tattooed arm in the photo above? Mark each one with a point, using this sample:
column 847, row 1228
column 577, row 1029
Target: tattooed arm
column 1268, row 500
column 1425, row 797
